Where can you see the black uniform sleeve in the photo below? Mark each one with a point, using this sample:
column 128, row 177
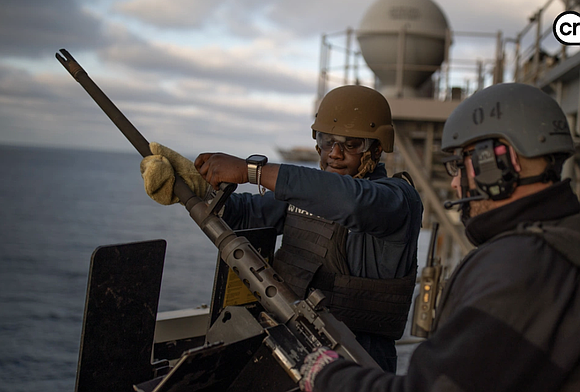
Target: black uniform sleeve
column 347, row 376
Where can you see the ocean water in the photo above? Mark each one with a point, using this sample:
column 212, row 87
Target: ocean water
column 57, row 206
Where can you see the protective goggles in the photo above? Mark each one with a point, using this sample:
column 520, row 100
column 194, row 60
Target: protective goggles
column 454, row 163
column 348, row 145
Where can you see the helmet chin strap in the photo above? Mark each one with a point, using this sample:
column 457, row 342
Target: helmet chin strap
column 550, row 173
column 367, row 163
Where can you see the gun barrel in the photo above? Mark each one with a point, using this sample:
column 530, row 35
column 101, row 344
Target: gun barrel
column 138, row 141
column 124, row 125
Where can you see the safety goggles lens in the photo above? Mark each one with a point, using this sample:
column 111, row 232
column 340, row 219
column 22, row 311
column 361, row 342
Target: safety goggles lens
column 453, row 167
column 453, row 164
column 349, row 145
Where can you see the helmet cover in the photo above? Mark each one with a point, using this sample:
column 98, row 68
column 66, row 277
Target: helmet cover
column 529, row 119
column 356, row 111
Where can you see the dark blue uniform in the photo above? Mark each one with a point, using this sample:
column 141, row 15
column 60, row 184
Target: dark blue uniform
column 382, row 215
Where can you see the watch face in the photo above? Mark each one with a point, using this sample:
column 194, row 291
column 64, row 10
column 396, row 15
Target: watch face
column 257, row 159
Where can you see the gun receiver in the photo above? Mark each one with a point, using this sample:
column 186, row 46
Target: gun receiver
column 312, row 324
column 426, row 300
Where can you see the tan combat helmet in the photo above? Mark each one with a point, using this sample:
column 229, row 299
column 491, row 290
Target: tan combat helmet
column 356, row 111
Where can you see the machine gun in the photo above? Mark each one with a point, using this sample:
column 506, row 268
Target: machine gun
column 429, row 289
column 291, row 327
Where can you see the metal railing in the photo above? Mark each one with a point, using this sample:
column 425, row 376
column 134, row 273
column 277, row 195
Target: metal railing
column 523, row 58
column 341, row 63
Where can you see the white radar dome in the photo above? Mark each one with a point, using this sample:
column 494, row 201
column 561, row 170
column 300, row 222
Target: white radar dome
column 423, row 26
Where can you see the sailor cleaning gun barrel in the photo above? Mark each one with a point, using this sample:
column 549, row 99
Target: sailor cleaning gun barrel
column 348, row 229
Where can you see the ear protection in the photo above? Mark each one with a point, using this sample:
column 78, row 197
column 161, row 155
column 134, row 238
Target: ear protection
column 494, row 172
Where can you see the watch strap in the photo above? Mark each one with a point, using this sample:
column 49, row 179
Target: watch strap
column 253, row 173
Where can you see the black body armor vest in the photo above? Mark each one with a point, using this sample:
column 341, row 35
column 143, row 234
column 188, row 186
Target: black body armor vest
column 313, row 256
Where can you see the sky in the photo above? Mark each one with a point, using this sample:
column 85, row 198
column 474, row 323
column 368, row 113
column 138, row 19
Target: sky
column 238, row 76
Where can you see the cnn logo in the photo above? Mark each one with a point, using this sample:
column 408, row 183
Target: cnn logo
column 566, row 28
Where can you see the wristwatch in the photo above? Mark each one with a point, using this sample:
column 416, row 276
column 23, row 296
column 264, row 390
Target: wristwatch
column 255, row 163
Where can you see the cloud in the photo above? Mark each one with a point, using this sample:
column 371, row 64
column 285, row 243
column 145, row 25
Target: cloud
column 54, row 110
column 34, row 28
column 304, row 18
column 248, row 18
column 234, row 75
column 170, row 14
column 244, row 66
column 313, row 18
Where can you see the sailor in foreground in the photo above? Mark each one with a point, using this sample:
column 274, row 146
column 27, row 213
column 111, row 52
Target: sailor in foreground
column 509, row 316
column 348, row 229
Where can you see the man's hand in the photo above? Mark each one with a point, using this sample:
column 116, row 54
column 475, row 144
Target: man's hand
column 313, row 364
column 216, row 168
column 158, row 172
